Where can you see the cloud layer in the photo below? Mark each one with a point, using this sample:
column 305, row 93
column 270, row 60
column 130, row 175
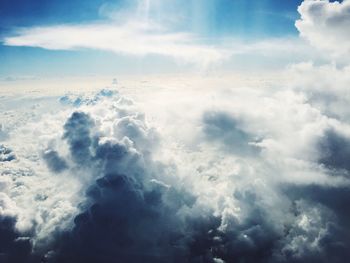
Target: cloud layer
column 112, row 187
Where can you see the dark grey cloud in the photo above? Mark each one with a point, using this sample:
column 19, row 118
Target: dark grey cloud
column 228, row 131
column 334, row 215
column 77, row 134
column 127, row 218
column 252, row 239
column 334, row 150
column 54, row 162
column 14, row 248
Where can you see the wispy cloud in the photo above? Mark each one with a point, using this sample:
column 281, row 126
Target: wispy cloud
column 142, row 39
column 134, row 31
column 131, row 38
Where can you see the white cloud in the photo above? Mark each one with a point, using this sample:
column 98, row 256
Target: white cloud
column 326, row 25
column 132, row 39
column 325, row 86
column 136, row 32
column 142, row 39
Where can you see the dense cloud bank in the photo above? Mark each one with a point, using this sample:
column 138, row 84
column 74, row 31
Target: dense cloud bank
column 241, row 174
column 99, row 186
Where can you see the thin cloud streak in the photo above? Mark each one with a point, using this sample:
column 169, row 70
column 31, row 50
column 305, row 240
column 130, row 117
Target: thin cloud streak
column 133, row 39
column 140, row 40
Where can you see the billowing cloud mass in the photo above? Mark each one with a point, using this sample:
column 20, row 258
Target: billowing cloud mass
column 251, row 186
column 326, row 25
column 253, row 173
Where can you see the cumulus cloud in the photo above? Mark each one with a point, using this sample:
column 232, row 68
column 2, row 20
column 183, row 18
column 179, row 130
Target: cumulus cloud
column 325, row 87
column 326, row 25
column 132, row 196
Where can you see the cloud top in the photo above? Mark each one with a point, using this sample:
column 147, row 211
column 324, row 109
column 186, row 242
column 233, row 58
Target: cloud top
column 326, row 25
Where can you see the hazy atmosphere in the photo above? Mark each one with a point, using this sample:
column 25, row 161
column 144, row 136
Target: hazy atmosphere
column 156, row 131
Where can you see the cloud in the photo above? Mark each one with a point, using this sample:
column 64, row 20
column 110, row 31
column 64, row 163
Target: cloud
column 334, row 150
column 6, row 154
column 14, row 248
column 326, row 24
column 127, row 218
column 77, row 134
column 139, row 40
column 208, row 205
column 143, row 28
column 226, row 129
column 129, row 38
column 329, row 95
column 54, row 161
column 328, row 203
column 136, row 28
column 112, row 186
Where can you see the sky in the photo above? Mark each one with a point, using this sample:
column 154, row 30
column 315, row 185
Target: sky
column 213, row 32
column 260, row 17
column 175, row 131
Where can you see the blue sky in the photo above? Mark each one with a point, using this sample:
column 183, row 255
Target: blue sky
column 209, row 22
column 260, row 17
